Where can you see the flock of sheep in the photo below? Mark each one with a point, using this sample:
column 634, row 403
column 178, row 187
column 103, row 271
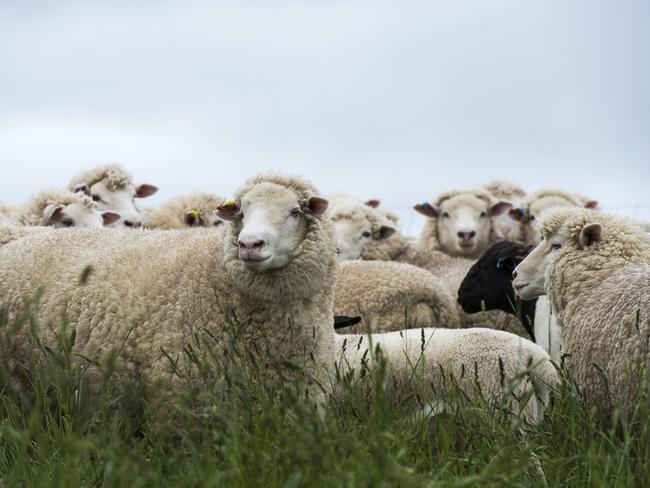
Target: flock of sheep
column 285, row 260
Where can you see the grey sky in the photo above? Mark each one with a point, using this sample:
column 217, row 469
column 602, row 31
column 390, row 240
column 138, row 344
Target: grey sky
column 395, row 100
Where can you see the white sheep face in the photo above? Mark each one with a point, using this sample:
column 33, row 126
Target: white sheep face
column 121, row 201
column 352, row 234
column 76, row 215
column 529, row 277
column 464, row 225
column 272, row 225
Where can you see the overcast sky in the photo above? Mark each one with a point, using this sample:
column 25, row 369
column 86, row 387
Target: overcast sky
column 394, row 100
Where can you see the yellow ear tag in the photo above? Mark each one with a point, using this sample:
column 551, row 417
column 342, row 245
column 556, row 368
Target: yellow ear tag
column 194, row 213
column 229, row 203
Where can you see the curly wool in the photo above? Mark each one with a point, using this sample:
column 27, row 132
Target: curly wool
column 114, row 176
column 32, row 212
column 429, row 239
column 171, row 215
column 600, row 295
column 154, row 291
column 392, row 296
column 505, row 190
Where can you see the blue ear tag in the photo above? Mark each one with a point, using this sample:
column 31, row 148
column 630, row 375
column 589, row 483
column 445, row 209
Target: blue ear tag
column 499, row 264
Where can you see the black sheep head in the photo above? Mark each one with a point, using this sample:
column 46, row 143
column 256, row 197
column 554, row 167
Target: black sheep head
column 488, row 284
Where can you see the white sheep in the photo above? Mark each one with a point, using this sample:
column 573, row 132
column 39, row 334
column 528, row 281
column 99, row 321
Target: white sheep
column 526, row 216
column 595, row 269
column 461, row 223
column 193, row 210
column 392, row 296
column 112, row 189
column 62, row 208
column 506, row 191
column 430, row 363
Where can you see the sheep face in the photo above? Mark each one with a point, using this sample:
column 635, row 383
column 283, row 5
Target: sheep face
column 355, row 230
column 488, row 284
column 529, row 277
column 464, row 224
column 76, row 215
column 352, row 235
column 529, row 217
column 121, row 201
column 270, row 223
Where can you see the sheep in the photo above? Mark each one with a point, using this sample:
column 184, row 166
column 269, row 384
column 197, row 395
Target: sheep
column 352, row 213
column 595, row 269
column 149, row 293
column 510, row 192
column 421, row 361
column 488, row 286
column 5, row 214
column 526, row 215
column 62, row 208
column 193, row 210
column 112, row 189
column 461, row 223
column 391, row 296
column 356, row 225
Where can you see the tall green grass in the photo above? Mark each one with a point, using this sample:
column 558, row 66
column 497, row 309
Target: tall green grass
column 77, row 423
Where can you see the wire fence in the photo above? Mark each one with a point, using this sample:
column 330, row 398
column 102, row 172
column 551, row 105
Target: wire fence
column 411, row 222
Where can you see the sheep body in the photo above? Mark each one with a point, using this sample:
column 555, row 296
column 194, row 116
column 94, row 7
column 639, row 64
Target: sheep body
column 421, row 360
column 391, row 296
column 193, row 210
column 150, row 292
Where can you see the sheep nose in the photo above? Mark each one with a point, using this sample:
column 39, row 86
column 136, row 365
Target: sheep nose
column 466, row 235
column 134, row 224
column 252, row 244
column 514, row 275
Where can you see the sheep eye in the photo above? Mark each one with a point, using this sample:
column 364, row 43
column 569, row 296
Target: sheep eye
column 96, row 198
column 296, row 212
column 365, row 234
column 67, row 223
column 218, row 223
column 445, row 215
column 556, row 245
column 483, row 214
column 532, row 217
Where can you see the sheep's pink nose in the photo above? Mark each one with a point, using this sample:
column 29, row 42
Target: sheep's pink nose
column 514, row 275
column 132, row 223
column 252, row 244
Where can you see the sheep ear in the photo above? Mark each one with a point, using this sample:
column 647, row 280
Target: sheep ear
column 516, row 214
column 427, row 210
column 591, row 204
column 499, row 208
column 191, row 218
column 145, row 190
column 227, row 210
column 386, row 231
column 591, row 234
column 52, row 213
column 110, row 217
column 317, row 205
column 82, row 188
column 373, row 203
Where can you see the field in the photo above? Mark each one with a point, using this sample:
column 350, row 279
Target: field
column 231, row 428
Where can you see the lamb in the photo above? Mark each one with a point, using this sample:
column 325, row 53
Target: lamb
column 62, row 208
column 193, row 210
column 112, row 189
column 488, row 286
column 150, row 292
column 392, row 296
column 526, row 216
column 595, row 269
column 510, row 192
column 461, row 223
column 421, row 361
